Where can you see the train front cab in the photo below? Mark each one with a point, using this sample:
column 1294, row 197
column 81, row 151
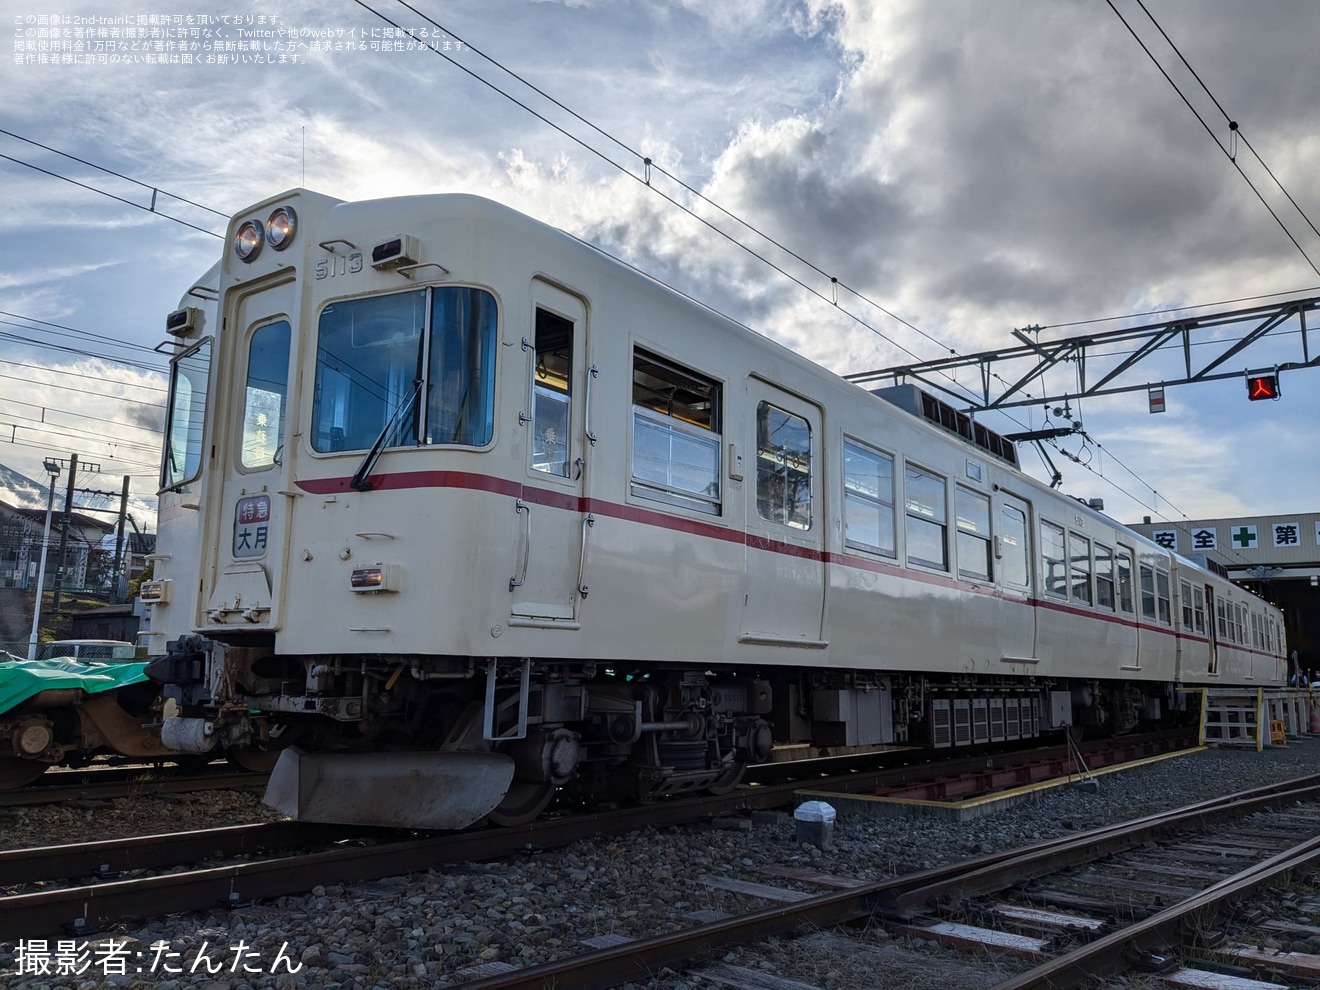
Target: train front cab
column 395, row 431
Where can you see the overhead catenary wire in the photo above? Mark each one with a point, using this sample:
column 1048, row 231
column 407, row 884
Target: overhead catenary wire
column 102, row 192
column 119, row 175
column 59, row 429
column 640, row 179
column 29, row 341
column 835, row 283
column 1237, row 129
column 650, row 166
column 1213, row 136
column 61, row 330
column 155, row 431
column 1176, row 309
column 46, row 448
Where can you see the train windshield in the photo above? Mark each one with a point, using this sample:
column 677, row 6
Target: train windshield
column 373, row 353
column 189, row 376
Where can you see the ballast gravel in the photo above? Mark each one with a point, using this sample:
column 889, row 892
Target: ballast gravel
column 432, row 929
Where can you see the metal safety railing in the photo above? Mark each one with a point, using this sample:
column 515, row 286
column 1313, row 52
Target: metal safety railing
column 1257, row 718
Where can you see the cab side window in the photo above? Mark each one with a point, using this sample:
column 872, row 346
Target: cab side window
column 190, row 375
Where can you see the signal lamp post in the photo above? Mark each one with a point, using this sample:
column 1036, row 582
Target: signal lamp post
column 53, row 469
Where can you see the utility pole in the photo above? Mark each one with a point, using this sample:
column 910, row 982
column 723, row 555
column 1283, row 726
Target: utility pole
column 64, row 533
column 53, row 469
column 117, row 594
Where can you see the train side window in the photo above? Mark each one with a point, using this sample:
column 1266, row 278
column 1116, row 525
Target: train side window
column 1198, row 610
column 1079, row 563
column 1225, row 630
column 1104, row 576
column 1162, row 597
column 1147, row 590
column 552, row 393
column 783, row 467
column 1013, row 567
column 1255, row 630
column 1185, row 599
column 1052, row 554
column 1241, row 624
column 676, row 435
column 190, row 374
column 1123, row 562
column 265, row 395
column 972, row 515
column 868, row 499
column 927, row 517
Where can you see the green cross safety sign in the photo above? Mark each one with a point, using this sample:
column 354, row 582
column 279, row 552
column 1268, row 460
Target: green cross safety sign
column 1244, row 537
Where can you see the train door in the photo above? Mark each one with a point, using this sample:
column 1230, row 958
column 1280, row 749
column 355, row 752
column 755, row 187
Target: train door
column 546, row 586
column 1012, row 551
column 784, row 588
column 248, row 547
column 1212, row 635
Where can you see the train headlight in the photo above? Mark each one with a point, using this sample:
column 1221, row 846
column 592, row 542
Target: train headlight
column 248, row 240
column 377, row 577
column 281, row 227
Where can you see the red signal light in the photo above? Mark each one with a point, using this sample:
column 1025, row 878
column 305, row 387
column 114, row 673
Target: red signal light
column 1262, row 387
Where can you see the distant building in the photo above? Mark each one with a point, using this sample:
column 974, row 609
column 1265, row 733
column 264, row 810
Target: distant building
column 21, row 532
column 140, row 546
column 20, row 545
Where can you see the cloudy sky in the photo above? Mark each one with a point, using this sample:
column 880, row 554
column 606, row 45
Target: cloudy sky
column 963, row 167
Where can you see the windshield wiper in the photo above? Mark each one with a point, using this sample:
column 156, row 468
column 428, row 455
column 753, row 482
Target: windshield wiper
column 361, row 482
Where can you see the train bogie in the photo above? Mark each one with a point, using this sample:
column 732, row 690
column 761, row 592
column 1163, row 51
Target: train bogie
column 463, row 485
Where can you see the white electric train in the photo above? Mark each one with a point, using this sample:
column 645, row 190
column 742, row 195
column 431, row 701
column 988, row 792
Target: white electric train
column 458, row 512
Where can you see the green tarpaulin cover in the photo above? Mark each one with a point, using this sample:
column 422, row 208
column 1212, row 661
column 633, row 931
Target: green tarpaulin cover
column 22, row 679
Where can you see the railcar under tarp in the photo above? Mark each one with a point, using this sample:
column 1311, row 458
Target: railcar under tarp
column 23, row 679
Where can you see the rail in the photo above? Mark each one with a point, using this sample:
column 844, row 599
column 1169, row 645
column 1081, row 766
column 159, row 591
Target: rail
column 637, row 959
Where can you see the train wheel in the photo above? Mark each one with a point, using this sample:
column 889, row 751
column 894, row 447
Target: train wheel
column 729, row 781
column 524, row 802
column 253, row 759
column 19, row 773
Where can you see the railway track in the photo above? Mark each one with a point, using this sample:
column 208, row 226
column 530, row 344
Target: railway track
column 91, row 885
column 107, row 783
column 1115, row 943
column 901, row 767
